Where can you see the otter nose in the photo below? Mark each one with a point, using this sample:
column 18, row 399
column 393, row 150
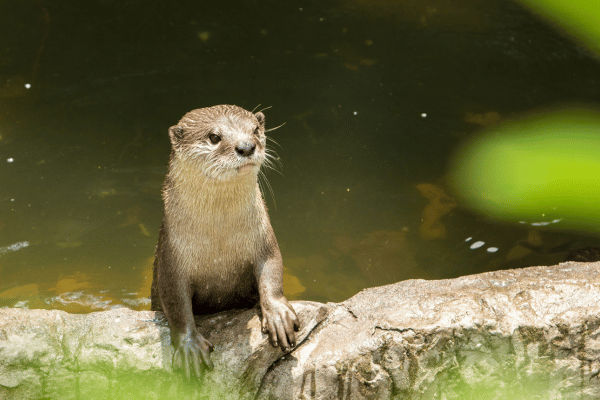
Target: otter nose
column 245, row 149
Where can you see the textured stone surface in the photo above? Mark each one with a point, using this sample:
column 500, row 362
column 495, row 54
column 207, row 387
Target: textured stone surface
column 531, row 333
column 124, row 354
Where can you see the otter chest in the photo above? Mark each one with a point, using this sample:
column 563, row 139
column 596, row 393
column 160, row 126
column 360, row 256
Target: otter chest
column 219, row 238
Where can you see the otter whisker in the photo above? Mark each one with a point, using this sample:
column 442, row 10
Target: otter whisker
column 263, row 176
column 273, row 169
column 258, row 105
column 271, row 153
column 266, row 108
column 272, row 129
column 273, row 140
column 269, row 165
column 273, row 158
column 260, row 185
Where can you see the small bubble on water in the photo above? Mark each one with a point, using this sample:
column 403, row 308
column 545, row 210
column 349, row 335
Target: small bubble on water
column 477, row 244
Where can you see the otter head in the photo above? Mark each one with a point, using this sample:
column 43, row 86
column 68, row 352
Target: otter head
column 222, row 142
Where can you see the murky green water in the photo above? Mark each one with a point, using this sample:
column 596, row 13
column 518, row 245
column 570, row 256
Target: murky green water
column 375, row 96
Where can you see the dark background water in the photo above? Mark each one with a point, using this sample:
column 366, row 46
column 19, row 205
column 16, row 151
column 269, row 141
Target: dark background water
column 375, row 96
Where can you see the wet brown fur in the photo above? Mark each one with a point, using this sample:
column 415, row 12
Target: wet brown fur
column 216, row 247
column 221, row 228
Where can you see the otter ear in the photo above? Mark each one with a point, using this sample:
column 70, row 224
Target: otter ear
column 175, row 134
column 261, row 118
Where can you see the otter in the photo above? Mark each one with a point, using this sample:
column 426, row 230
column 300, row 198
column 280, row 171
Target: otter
column 216, row 248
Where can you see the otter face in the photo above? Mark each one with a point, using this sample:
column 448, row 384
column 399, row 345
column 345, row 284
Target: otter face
column 223, row 142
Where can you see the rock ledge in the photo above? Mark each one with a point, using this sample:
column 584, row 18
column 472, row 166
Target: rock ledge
column 530, row 333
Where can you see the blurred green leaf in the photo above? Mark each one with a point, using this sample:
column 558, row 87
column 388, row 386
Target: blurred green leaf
column 581, row 18
column 541, row 169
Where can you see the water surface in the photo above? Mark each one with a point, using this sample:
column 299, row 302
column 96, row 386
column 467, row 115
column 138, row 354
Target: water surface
column 375, row 96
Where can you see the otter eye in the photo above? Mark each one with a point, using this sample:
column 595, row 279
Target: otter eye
column 214, row 139
column 257, row 131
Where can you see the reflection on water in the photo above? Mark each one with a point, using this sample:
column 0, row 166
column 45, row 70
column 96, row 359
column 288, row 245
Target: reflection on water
column 13, row 247
column 375, row 96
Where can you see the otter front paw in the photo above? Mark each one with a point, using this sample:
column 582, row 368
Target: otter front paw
column 279, row 320
column 188, row 350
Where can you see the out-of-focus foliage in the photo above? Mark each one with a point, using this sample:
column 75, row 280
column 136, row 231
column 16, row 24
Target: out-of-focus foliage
column 581, row 18
column 539, row 169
